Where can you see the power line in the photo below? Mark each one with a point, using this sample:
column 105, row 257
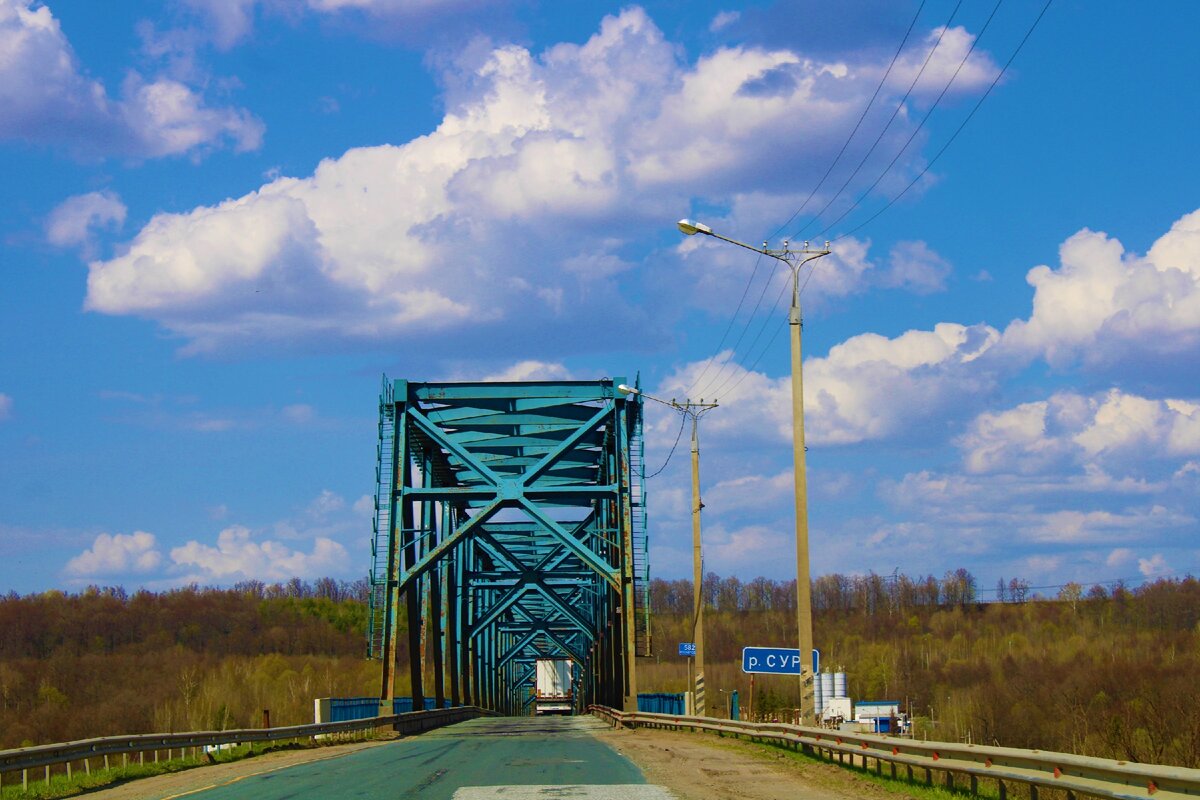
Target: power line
column 811, row 194
column 728, row 327
column 920, row 125
column 879, row 138
column 858, row 124
column 957, row 131
column 678, row 436
column 766, row 321
column 1024, row 39
column 745, row 328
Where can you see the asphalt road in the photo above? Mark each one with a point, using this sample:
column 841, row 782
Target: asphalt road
column 510, row 758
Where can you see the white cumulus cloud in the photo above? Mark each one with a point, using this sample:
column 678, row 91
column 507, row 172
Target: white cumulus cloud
column 237, row 555
column 48, row 97
column 1068, row 427
column 72, row 221
column 1104, row 304
column 113, row 555
column 535, row 159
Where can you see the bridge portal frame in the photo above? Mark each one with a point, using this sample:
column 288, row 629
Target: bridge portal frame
column 509, row 526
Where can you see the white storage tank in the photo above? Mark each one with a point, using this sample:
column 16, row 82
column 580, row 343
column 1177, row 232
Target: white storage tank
column 818, row 696
column 839, row 685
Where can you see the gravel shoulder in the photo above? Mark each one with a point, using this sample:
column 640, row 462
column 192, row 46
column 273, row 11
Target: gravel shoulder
column 707, row 767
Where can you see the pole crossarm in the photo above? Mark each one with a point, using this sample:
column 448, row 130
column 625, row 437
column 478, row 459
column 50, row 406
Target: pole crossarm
column 504, row 533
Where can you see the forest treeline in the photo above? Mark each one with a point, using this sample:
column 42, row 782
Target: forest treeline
column 106, row 662
column 1101, row 671
column 1104, row 671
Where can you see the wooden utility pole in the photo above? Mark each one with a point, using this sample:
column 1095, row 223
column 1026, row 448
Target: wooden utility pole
column 695, row 411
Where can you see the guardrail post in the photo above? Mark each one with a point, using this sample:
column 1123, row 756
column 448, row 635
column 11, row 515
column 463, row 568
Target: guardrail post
column 1033, row 792
column 24, row 780
column 1002, row 789
column 949, row 781
column 975, row 788
column 68, row 770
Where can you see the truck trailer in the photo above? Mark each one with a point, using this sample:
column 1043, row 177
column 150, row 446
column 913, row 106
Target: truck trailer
column 552, row 687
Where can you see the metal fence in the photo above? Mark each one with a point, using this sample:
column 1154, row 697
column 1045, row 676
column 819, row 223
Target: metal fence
column 956, row 765
column 84, row 751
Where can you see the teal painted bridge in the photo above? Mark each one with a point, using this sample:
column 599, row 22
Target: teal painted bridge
column 510, row 525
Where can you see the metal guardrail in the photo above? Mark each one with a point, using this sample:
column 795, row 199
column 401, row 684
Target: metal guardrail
column 1074, row 775
column 47, row 755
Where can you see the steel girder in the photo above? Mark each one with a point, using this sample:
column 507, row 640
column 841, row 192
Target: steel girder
column 510, row 526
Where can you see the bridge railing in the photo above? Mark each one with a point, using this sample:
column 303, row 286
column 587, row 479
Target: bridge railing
column 1072, row 774
column 83, row 751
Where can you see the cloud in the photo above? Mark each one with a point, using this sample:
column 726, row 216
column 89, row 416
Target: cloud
column 916, row 267
column 531, row 370
column 1154, row 566
column 867, row 388
column 1111, row 426
column 1118, row 557
column 6, row 405
column 1104, row 305
column 47, row 98
column 723, row 20
column 872, row 387
column 114, row 555
column 72, row 222
column 749, row 491
column 534, row 162
column 237, row 556
column 299, row 413
column 230, row 22
column 937, row 61
column 364, row 506
column 326, row 503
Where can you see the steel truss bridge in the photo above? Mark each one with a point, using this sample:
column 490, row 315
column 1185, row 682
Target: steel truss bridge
column 510, row 525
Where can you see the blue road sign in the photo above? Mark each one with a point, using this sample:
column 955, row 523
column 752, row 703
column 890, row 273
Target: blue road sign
column 775, row 660
column 687, row 649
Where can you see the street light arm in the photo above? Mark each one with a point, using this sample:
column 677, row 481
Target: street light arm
column 690, row 228
column 759, row 250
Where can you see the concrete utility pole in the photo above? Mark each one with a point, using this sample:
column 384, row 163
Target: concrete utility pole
column 695, row 411
column 794, row 259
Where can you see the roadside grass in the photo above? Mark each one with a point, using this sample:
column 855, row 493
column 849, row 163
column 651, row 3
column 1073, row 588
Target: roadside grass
column 81, row 781
column 900, row 785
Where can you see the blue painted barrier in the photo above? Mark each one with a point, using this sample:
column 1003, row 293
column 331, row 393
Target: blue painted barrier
column 662, row 703
column 403, row 705
column 343, row 709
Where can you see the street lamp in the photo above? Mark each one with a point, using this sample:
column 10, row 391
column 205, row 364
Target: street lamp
column 794, row 260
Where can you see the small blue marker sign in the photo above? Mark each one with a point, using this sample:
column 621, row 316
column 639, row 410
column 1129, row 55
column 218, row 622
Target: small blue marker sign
column 687, row 649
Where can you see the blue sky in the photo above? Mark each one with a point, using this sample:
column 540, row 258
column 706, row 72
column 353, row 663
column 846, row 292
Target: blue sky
column 222, row 220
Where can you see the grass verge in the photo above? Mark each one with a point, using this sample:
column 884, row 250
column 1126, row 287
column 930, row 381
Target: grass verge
column 80, row 781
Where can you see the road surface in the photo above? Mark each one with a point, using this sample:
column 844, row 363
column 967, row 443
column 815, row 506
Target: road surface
column 509, row 758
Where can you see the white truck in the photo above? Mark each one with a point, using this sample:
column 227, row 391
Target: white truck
column 552, row 687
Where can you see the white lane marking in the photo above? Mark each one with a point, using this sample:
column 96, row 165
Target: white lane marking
column 616, row 791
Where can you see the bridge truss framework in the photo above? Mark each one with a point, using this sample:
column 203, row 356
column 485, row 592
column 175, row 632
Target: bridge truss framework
column 510, row 525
